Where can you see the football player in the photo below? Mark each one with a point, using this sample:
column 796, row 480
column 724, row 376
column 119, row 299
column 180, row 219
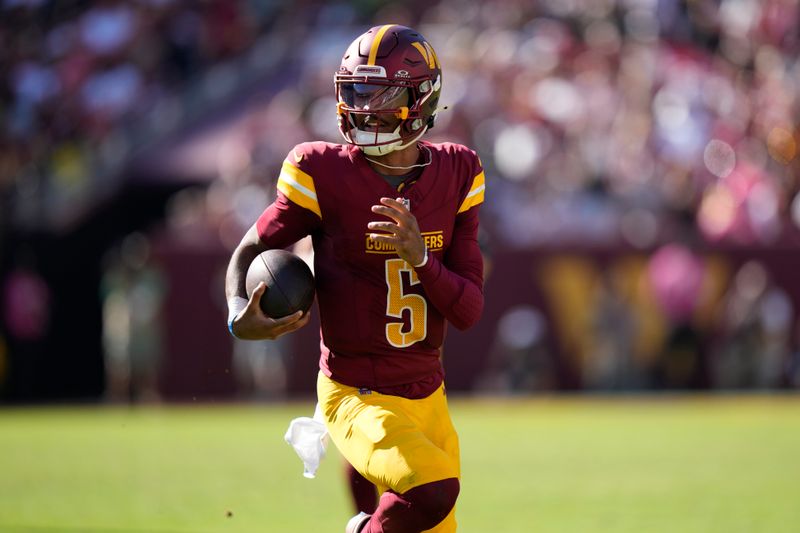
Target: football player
column 394, row 224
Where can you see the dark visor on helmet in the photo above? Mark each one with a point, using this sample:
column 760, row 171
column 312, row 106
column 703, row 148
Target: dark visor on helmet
column 373, row 97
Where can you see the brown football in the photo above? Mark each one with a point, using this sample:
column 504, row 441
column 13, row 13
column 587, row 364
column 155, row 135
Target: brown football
column 290, row 283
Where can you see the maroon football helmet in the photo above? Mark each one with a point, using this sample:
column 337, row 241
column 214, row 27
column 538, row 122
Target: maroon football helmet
column 387, row 89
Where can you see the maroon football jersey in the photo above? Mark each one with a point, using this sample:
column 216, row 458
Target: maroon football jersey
column 381, row 328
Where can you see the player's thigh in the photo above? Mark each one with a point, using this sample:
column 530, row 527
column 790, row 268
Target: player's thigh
column 379, row 437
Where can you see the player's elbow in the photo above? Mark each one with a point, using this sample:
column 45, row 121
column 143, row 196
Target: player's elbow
column 462, row 323
column 469, row 309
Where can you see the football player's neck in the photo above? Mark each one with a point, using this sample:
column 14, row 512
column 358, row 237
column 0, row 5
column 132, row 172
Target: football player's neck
column 397, row 163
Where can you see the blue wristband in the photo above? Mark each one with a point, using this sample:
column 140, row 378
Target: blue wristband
column 235, row 306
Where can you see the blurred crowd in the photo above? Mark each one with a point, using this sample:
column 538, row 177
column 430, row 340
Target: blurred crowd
column 666, row 127
column 609, row 120
column 600, row 122
column 84, row 84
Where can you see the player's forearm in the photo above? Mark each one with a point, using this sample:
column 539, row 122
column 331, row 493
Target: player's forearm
column 242, row 256
column 457, row 298
column 236, row 273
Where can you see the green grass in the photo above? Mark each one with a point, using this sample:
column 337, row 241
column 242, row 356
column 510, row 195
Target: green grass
column 718, row 464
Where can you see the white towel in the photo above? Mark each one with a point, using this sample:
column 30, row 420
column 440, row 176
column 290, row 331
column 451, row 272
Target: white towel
column 309, row 438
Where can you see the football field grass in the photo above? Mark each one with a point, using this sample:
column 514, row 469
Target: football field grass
column 629, row 464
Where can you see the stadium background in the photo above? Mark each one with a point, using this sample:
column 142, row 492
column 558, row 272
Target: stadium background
column 637, row 363
column 641, row 224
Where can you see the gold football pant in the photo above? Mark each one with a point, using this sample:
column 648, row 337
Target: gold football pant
column 394, row 442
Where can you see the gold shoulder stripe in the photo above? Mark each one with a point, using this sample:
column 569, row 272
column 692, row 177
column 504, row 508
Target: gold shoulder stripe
column 299, row 187
column 376, row 43
column 475, row 195
column 478, row 182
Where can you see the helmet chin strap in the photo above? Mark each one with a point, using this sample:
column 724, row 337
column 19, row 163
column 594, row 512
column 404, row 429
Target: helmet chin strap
column 416, row 165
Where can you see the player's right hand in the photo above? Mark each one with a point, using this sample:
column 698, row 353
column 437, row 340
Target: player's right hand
column 252, row 324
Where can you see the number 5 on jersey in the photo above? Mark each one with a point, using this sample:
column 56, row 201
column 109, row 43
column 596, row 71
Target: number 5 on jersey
column 396, row 302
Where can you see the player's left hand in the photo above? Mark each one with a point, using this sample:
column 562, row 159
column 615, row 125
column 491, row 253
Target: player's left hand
column 403, row 233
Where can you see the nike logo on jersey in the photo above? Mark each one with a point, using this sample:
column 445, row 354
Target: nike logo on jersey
column 297, row 158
